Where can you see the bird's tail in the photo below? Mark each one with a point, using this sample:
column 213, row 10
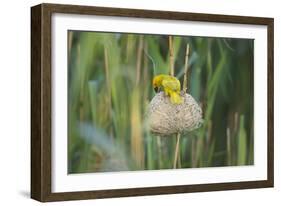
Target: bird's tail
column 175, row 98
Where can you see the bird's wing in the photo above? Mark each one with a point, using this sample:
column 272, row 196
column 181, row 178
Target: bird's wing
column 172, row 84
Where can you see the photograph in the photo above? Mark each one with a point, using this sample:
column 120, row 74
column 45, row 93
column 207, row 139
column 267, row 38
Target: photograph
column 132, row 102
column 140, row 102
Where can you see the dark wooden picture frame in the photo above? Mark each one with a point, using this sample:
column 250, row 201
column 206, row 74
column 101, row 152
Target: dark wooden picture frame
column 41, row 95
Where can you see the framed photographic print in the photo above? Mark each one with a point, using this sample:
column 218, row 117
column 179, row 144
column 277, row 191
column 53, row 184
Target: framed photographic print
column 129, row 102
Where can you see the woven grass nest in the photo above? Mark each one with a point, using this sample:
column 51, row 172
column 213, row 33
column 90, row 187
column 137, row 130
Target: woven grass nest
column 166, row 118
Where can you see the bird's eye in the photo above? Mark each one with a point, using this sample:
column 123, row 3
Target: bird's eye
column 156, row 89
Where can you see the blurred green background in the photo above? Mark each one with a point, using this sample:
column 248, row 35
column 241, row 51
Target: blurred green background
column 109, row 89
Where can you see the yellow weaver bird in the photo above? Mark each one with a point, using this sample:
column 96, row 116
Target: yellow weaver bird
column 171, row 86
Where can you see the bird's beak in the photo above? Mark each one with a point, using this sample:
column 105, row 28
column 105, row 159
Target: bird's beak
column 156, row 89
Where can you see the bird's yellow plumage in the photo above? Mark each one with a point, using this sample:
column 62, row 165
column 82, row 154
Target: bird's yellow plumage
column 171, row 86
